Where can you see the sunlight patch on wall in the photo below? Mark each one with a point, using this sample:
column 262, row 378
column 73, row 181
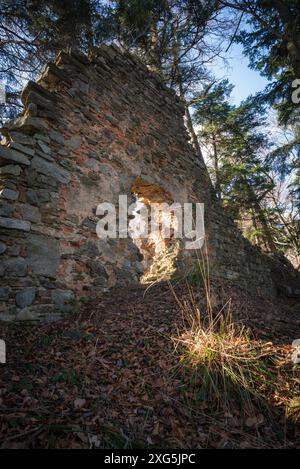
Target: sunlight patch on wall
column 160, row 249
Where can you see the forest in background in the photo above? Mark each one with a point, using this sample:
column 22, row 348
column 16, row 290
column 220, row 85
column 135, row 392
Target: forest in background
column 255, row 170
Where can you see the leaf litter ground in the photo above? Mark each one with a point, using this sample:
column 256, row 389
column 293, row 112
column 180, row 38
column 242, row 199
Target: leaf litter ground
column 108, row 377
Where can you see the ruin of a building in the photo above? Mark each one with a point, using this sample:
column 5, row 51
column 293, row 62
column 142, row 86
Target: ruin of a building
column 92, row 129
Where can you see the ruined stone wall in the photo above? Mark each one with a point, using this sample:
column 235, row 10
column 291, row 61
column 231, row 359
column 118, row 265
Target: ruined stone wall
column 90, row 127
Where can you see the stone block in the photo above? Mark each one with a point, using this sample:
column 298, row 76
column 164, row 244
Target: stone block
column 57, row 137
column 43, row 255
column 6, row 210
column 11, row 169
column 16, row 267
column 74, row 142
column 8, row 154
column 49, row 169
column 9, row 194
column 45, row 148
column 30, row 213
column 22, row 148
column 3, row 248
column 4, row 294
column 15, row 224
column 23, row 139
column 62, row 300
column 26, row 297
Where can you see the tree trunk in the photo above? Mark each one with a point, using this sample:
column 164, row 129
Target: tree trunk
column 191, row 129
column 256, row 241
column 291, row 26
column 292, row 236
column 155, row 58
column 179, row 82
column 267, row 235
column 189, row 121
column 216, row 168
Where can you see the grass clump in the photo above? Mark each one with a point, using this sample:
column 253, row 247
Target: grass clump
column 224, row 363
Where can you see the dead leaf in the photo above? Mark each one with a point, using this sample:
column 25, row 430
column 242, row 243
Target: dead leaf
column 79, row 403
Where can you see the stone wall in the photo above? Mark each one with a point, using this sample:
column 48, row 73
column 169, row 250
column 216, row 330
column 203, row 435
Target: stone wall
column 89, row 129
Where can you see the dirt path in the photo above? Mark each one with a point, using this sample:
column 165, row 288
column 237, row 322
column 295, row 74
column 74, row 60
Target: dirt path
column 108, row 377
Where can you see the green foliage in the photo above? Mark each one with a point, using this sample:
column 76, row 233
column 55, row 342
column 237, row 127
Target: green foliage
column 235, row 145
column 271, row 41
column 247, row 167
column 32, row 32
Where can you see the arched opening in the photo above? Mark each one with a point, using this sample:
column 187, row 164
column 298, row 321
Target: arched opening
column 158, row 244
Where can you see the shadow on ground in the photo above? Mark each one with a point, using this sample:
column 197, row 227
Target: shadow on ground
column 108, row 377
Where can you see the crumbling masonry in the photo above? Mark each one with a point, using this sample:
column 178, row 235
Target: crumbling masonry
column 93, row 129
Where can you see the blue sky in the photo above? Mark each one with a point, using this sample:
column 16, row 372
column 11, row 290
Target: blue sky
column 246, row 81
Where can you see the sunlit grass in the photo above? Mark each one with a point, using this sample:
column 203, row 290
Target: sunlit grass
column 293, row 409
column 225, row 372
column 225, row 362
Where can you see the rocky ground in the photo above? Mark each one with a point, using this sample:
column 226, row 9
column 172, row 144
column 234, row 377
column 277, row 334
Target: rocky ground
column 108, row 377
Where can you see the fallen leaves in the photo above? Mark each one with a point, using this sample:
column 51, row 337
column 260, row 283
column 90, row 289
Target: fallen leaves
column 254, row 421
column 108, row 378
column 79, row 403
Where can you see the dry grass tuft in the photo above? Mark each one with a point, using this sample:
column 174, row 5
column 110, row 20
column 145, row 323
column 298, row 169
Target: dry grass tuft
column 226, row 363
